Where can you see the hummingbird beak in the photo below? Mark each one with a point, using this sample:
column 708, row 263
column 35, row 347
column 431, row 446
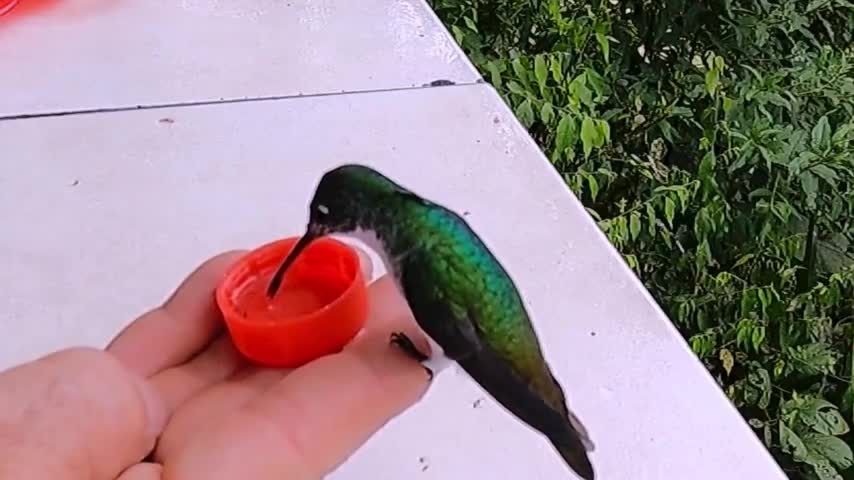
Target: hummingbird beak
column 311, row 234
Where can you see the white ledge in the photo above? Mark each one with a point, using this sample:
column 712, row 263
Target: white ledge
column 86, row 54
column 105, row 212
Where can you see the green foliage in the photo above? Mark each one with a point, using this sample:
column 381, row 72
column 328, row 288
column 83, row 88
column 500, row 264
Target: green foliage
column 714, row 144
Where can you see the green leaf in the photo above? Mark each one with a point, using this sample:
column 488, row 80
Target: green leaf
column 764, row 383
column 594, row 214
column 593, row 185
column 842, row 133
column 519, row 70
column 547, row 113
column 589, row 135
column 816, row 4
column 566, row 133
column 815, row 358
column 494, row 73
column 604, row 132
column 742, row 333
column 635, row 225
column 764, row 299
column 728, row 103
column 667, row 237
column 579, row 91
column 758, row 337
column 470, row 23
column 712, row 81
column 830, row 422
column 791, row 443
column 707, row 166
column 832, row 448
column 727, row 360
column 595, row 81
column 809, row 183
column 779, row 365
column 767, row 435
column 778, row 100
column 526, row 113
column 650, row 217
column 754, row 72
column 540, row 70
column 514, row 87
column 603, row 44
column 703, row 256
column 824, row 470
column 669, row 210
column 632, row 260
column 742, row 260
column 557, row 68
column 826, row 174
column 821, row 134
column 459, row 35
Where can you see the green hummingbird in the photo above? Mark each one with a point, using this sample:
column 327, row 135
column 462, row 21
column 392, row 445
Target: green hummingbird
column 460, row 295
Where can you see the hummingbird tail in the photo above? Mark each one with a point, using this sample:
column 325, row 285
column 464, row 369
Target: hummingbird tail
column 574, row 453
column 489, row 370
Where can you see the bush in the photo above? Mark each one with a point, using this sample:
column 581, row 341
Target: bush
column 714, row 144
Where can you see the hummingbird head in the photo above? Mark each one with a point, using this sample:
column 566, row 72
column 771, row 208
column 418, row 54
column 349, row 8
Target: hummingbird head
column 341, row 200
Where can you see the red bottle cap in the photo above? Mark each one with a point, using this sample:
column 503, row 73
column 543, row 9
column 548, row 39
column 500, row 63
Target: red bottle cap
column 321, row 305
column 7, row 5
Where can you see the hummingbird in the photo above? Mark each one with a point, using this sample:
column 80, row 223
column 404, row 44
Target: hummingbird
column 461, row 296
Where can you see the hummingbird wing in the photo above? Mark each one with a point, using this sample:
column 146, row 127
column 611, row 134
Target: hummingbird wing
column 539, row 401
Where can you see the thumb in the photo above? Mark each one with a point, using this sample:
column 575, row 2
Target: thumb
column 75, row 414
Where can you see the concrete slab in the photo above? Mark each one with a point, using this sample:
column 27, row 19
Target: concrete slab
column 91, row 54
column 105, row 213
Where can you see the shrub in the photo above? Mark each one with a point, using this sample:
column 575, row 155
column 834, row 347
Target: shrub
column 714, row 144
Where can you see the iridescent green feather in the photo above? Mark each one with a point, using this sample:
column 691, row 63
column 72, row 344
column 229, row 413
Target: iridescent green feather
column 476, row 287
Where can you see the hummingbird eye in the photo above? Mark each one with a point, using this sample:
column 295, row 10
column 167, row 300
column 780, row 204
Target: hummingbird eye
column 323, row 209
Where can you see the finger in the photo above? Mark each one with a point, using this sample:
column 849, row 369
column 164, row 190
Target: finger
column 142, row 471
column 175, row 332
column 219, row 401
column 389, row 312
column 213, row 365
column 308, row 423
column 78, row 413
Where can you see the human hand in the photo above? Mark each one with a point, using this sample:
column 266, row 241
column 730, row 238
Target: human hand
column 173, row 374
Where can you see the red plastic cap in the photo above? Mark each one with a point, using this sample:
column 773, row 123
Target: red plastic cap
column 7, row 6
column 321, row 305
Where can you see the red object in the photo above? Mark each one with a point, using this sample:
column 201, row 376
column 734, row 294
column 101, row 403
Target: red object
column 321, row 305
column 7, row 5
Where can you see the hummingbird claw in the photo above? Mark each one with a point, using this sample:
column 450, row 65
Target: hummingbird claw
column 405, row 343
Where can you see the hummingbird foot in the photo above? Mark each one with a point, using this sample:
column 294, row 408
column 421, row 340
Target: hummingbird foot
column 404, row 343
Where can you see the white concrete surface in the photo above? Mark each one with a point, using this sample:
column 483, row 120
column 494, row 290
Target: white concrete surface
column 88, row 54
column 103, row 214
